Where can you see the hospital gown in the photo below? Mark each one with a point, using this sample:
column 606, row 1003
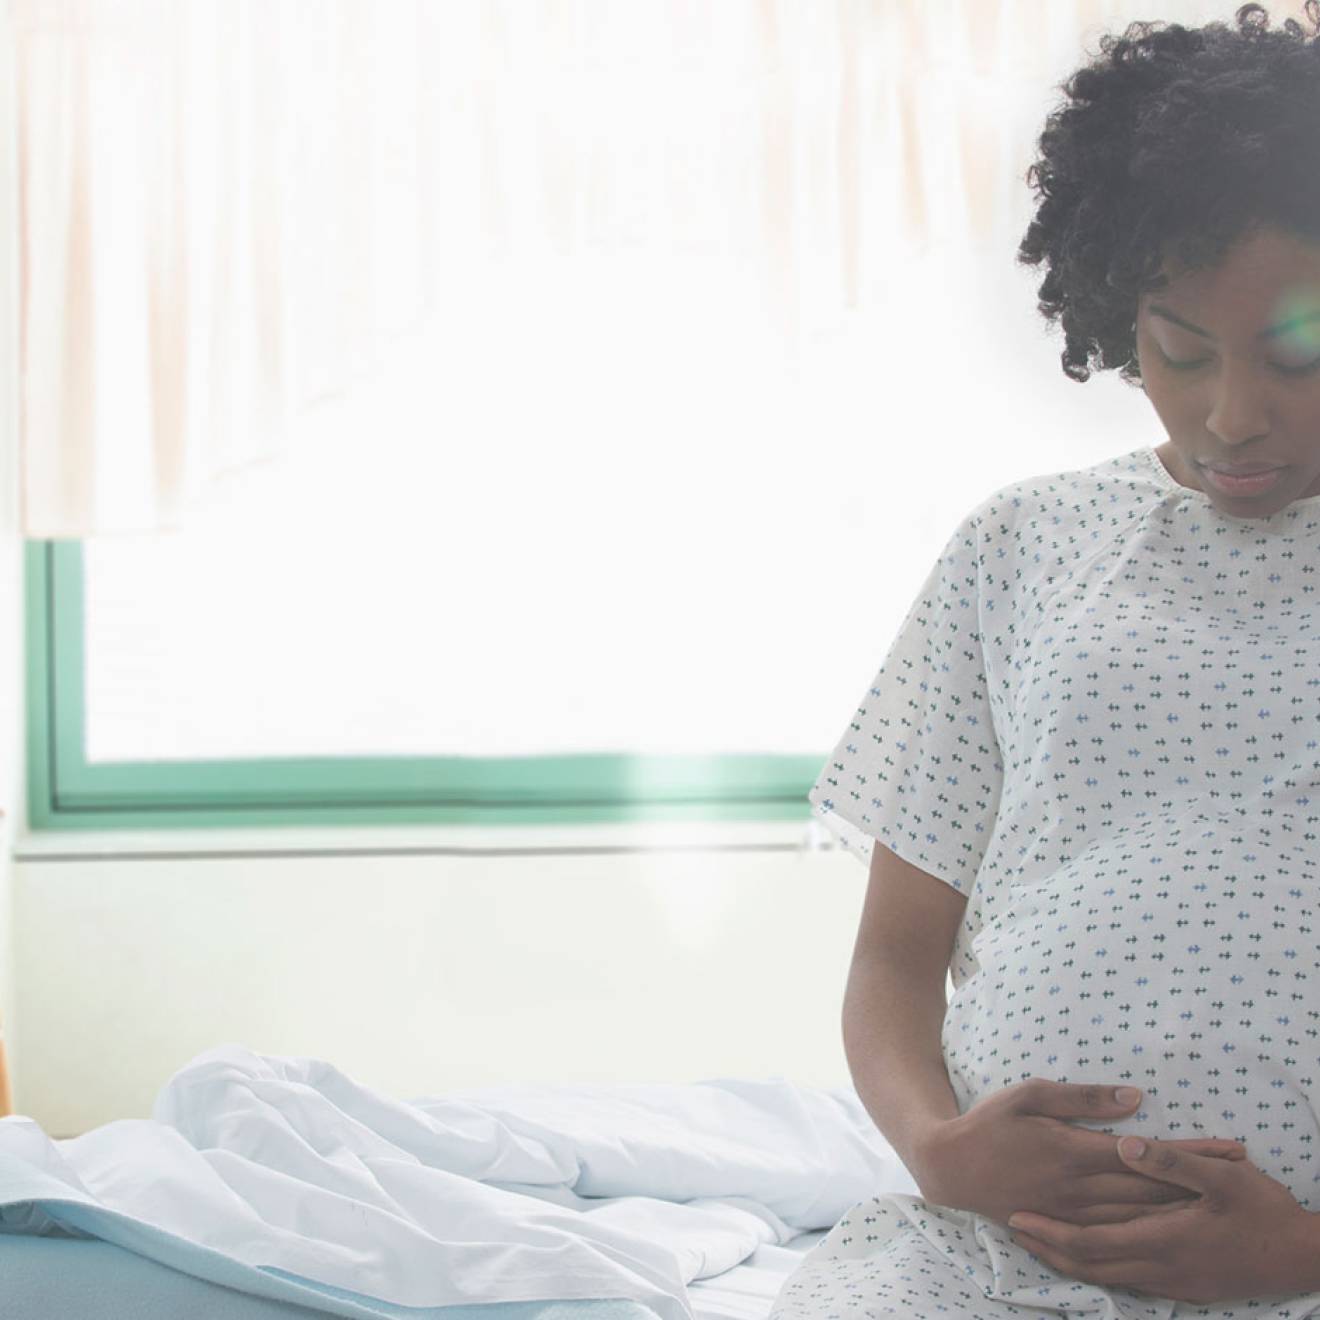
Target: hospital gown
column 1099, row 721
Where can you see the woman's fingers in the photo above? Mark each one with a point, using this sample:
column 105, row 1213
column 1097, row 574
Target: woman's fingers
column 1216, row 1147
column 1120, row 1213
column 1125, row 1189
column 1113, row 1198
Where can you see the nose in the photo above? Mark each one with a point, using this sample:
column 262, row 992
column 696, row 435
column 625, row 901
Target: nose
column 1240, row 412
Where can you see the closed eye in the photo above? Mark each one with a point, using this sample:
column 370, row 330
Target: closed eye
column 1200, row 362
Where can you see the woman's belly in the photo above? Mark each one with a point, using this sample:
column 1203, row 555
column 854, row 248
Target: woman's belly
column 1179, row 955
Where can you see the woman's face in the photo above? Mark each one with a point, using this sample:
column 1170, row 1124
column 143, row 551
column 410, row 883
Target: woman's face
column 1250, row 390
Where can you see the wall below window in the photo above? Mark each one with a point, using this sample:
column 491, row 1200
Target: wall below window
column 414, row 974
column 12, row 791
column 12, row 794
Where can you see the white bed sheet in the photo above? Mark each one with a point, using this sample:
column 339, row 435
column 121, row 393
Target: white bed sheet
column 747, row 1291
column 281, row 1169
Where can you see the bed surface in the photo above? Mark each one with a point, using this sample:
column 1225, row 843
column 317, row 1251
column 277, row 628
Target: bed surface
column 746, row 1291
column 266, row 1186
column 50, row 1278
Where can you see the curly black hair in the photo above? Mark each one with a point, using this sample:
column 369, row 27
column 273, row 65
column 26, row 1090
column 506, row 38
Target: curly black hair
column 1173, row 141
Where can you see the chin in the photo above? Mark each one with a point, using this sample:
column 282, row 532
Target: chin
column 1256, row 507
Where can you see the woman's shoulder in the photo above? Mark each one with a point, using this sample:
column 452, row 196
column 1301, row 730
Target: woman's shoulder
column 1094, row 496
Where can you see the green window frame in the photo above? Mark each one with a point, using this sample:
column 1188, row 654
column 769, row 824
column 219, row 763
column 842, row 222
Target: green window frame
column 65, row 792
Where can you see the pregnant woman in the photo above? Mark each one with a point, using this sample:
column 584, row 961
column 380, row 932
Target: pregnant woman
column 1086, row 778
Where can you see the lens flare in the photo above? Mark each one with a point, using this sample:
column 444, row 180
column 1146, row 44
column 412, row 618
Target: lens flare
column 1293, row 305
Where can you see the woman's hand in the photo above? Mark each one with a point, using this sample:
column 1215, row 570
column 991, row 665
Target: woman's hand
column 1243, row 1236
column 1018, row 1149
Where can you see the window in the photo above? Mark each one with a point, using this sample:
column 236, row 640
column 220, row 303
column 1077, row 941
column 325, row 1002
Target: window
column 594, row 542
column 69, row 791
column 657, row 608
column 301, row 652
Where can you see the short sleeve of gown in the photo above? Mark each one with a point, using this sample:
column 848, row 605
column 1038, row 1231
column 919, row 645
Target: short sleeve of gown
column 919, row 766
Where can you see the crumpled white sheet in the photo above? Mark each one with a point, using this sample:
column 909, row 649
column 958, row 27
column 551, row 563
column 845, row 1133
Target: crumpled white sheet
column 511, row 1193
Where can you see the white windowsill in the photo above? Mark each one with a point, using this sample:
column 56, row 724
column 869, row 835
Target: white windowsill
column 45, row 845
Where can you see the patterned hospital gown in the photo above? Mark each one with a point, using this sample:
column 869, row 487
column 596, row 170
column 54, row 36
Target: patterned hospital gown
column 1100, row 721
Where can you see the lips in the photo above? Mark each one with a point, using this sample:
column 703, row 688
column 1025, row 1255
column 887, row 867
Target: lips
column 1249, row 470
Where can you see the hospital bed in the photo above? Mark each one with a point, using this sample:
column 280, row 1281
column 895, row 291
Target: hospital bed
column 95, row 1280
column 273, row 1188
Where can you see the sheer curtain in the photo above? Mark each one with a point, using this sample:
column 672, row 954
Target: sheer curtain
column 231, row 208
column 684, row 331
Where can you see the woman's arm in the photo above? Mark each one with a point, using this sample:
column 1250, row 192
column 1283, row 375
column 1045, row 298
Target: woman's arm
column 894, row 1004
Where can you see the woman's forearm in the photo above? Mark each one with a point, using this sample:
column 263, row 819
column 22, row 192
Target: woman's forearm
column 893, row 1012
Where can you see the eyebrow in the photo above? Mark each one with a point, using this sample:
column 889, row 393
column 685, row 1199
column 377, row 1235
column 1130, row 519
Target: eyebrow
column 1156, row 310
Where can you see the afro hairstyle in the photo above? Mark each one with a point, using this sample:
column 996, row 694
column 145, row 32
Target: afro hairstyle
column 1172, row 142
